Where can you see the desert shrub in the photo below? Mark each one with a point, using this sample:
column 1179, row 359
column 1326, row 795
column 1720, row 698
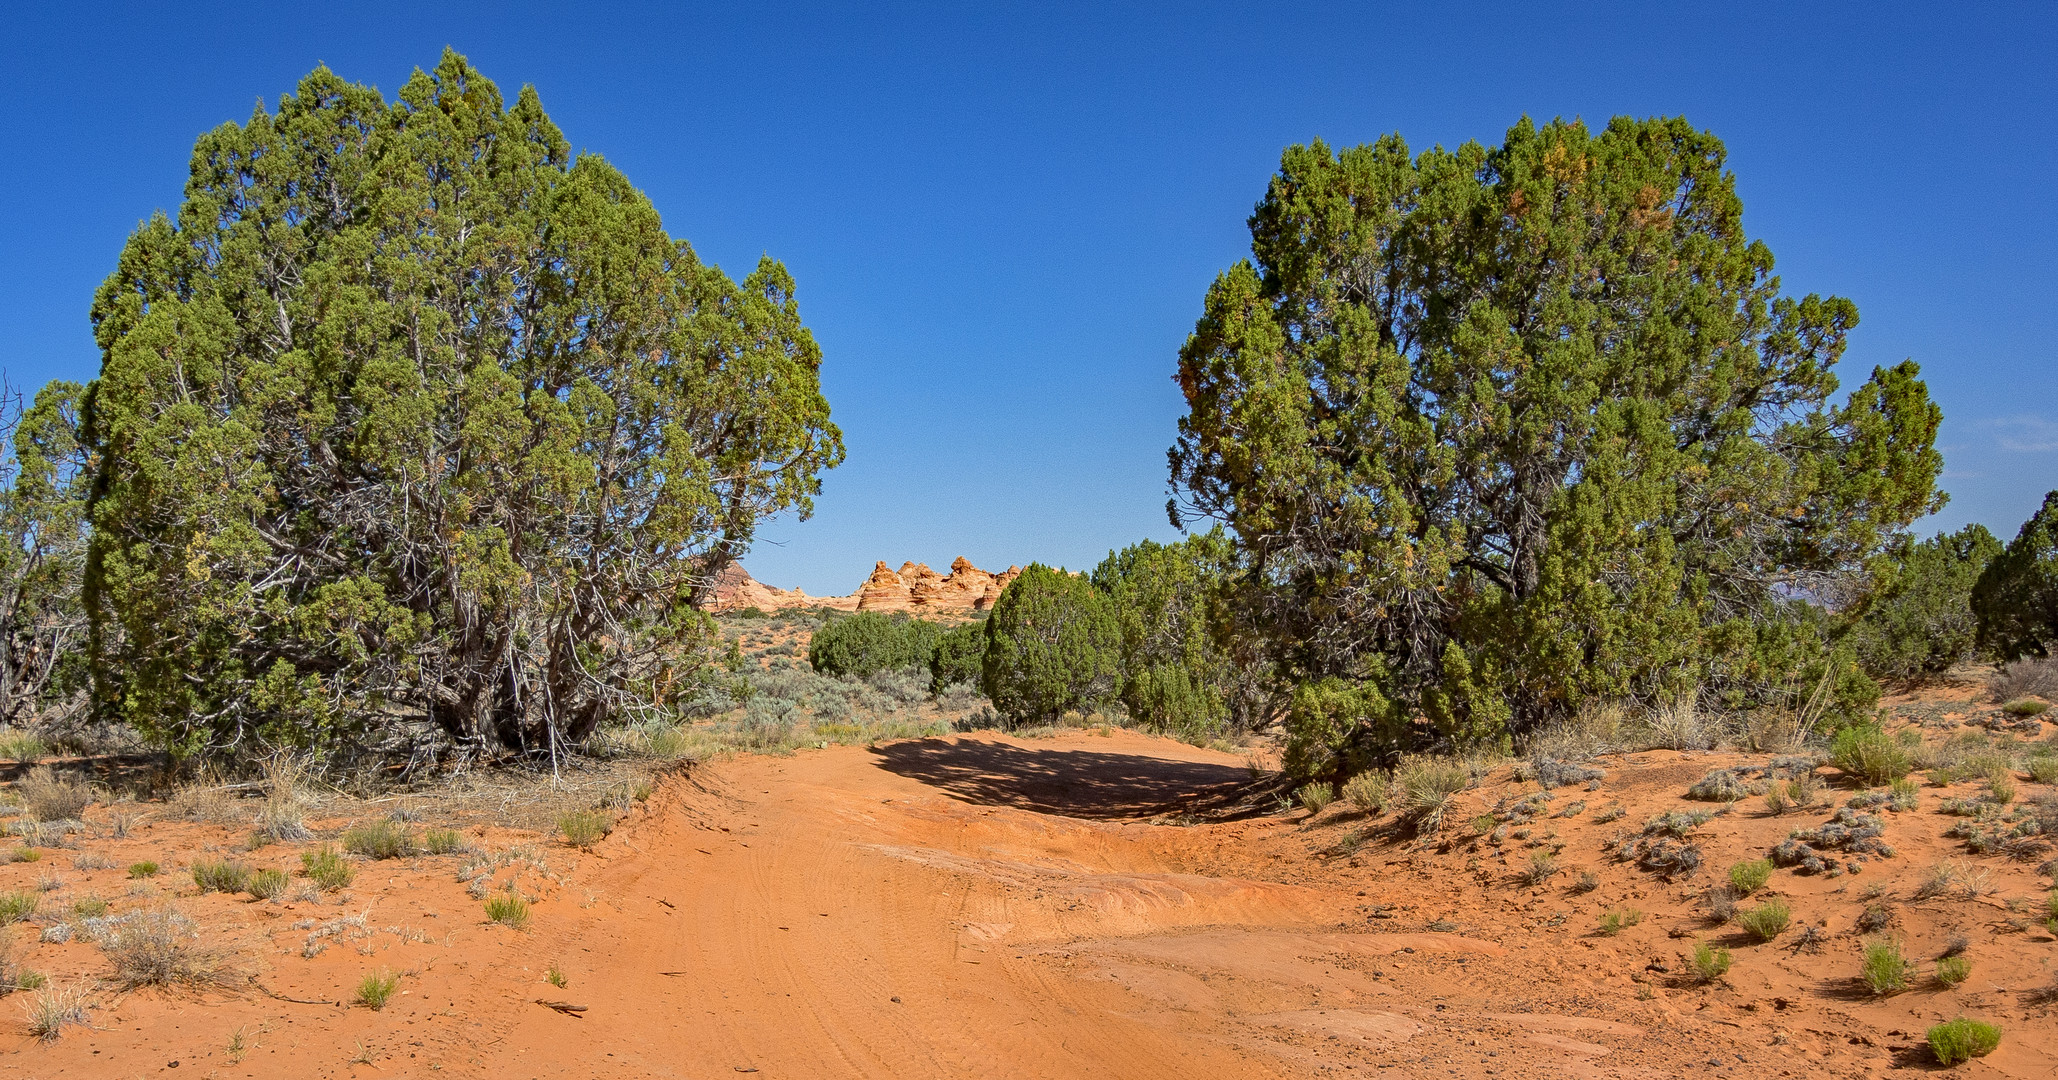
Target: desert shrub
column 53, row 1008
column 1366, row 792
column 1885, row 969
column 1723, row 785
column 1620, row 919
column 585, row 828
column 1542, row 867
column 1423, row 786
column 1952, row 970
column 1904, row 794
column 1588, row 882
column 2035, row 676
column 143, row 869
column 225, row 876
column 444, row 842
column 21, row 746
column 1750, row 876
column 1918, row 620
column 282, row 817
column 201, row 803
column 1870, row 754
column 46, row 798
column 1962, row 1039
column 268, row 884
column 508, row 909
column 1710, row 963
column 381, row 839
column 1316, row 796
column 1182, row 670
column 327, row 868
column 2026, row 707
column 2001, row 787
column 2016, row 597
column 16, row 905
column 23, row 853
column 1875, row 917
column 1053, row 644
column 1766, row 921
column 555, row 975
column 88, row 907
column 161, row 948
column 861, row 644
column 957, row 656
column 375, row 989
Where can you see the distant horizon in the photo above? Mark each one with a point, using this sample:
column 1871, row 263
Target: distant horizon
column 1002, row 222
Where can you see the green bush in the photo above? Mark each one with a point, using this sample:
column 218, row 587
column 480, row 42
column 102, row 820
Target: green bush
column 1750, row 876
column 508, row 909
column 226, row 876
column 142, row 869
column 957, row 657
column 1423, row 787
column 381, row 839
column 376, row 989
column 1885, row 968
column 1870, row 754
column 1959, row 1040
column 1614, row 922
column 326, row 868
column 1952, row 970
column 1052, row 645
column 2016, row 598
column 1920, row 621
column 16, row 905
column 864, row 644
column 2026, row 707
column 585, row 828
column 1316, row 796
column 1766, row 921
column 1184, row 670
column 268, row 884
column 444, row 842
column 1710, row 963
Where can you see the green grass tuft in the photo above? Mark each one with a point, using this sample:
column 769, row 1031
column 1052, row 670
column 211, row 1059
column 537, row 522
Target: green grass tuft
column 226, row 876
column 326, row 868
column 1619, row 920
column 143, row 869
column 1710, row 963
column 1768, row 920
column 1886, row 967
column 1959, row 1040
column 507, row 909
column 585, row 828
column 1952, row 970
column 1749, row 877
column 383, row 839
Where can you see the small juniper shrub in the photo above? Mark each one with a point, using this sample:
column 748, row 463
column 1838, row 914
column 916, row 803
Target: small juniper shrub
column 268, row 884
column 1962, row 1039
column 1886, row 967
column 1620, row 919
column 1750, row 876
column 225, row 876
column 1709, row 962
column 1952, row 970
column 1316, row 797
column 1366, row 792
column 382, row 839
column 585, row 828
column 1766, row 921
column 376, row 989
column 327, row 868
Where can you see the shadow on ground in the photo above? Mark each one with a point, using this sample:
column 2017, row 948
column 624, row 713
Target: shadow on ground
column 1078, row 783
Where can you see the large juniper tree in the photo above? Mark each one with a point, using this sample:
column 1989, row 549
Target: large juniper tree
column 1500, row 430
column 413, row 415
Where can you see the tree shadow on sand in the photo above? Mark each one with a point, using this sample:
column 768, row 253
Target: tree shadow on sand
column 1076, row 783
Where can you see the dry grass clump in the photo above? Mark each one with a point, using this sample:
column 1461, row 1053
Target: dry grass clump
column 585, row 828
column 376, row 989
column 382, row 839
column 1680, row 725
column 227, row 876
column 283, row 815
column 1871, row 755
column 1424, row 787
column 1885, row 967
column 2032, row 677
column 269, row 884
column 46, row 798
column 326, row 868
column 508, row 909
column 201, row 802
column 1316, row 796
column 21, row 746
column 16, row 905
column 1366, row 792
column 1959, row 1040
column 1766, row 921
column 445, row 842
column 162, row 948
column 53, row 1008
column 1543, row 866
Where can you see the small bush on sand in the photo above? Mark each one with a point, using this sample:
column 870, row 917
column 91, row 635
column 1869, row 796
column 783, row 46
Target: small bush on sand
column 507, row 909
column 1886, row 968
column 1620, row 919
column 326, row 868
column 585, row 828
column 1959, row 1040
column 1709, row 962
column 555, row 976
column 1366, row 792
column 445, row 842
column 1870, row 754
column 227, row 876
column 382, row 839
column 143, row 869
column 1316, row 797
column 2026, row 707
column 161, row 948
column 53, row 1008
column 282, row 817
column 1750, row 876
column 1722, row 903
column 2001, row 787
column 1766, row 921
column 1904, row 794
column 201, row 803
column 21, row 746
column 88, row 907
column 23, row 853
column 376, row 988
column 1425, row 786
column 2042, row 769
column 269, row 884
column 1952, row 970
column 46, row 798
column 1543, row 866
column 17, row 905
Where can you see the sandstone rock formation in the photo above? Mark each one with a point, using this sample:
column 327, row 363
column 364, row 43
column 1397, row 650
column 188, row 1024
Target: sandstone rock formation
column 914, row 588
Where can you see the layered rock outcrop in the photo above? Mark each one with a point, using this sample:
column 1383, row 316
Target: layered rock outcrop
column 914, row 588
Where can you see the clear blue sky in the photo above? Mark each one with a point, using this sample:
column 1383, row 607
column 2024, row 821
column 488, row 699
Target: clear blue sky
column 1003, row 222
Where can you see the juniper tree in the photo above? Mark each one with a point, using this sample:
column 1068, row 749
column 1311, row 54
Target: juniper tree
column 2016, row 597
column 1052, row 645
column 1501, row 430
column 413, row 415
column 42, row 555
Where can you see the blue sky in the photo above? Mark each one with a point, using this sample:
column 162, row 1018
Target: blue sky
column 1003, row 220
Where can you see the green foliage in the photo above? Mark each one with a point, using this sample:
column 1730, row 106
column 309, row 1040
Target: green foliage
column 2016, row 598
column 1870, row 754
column 381, row 839
column 1498, row 431
column 142, row 869
column 585, row 828
column 268, row 884
column 868, row 642
column 1751, row 875
column 1766, row 921
column 508, row 909
column 1183, row 669
column 1885, row 967
column 1963, row 1039
column 43, row 541
column 444, row 842
column 1918, row 620
column 1316, row 796
column 1614, row 922
column 1053, row 644
column 376, row 988
column 226, row 876
column 16, row 905
column 1710, row 963
column 414, row 416
column 2026, row 707
column 327, row 868
column 1366, row 792
column 1952, row 970
column 959, row 653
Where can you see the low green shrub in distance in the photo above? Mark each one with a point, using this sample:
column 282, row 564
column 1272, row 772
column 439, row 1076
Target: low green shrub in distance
column 1870, row 754
column 862, row 644
column 88, row 907
column 1620, row 919
column 507, row 909
column 143, row 869
column 1316, row 797
column 226, row 876
column 2026, row 707
column 327, row 868
column 1053, row 645
column 1922, row 621
column 957, row 656
column 2016, row 596
column 1952, row 970
column 1885, row 967
column 1750, row 876
column 2042, row 769
column 268, row 884
column 444, row 842
column 1366, row 792
column 1768, row 920
column 1709, row 962
column 381, row 839
column 1959, row 1040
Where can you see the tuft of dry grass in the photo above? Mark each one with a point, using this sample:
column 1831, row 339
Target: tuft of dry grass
column 1366, row 792
column 162, row 947
column 2032, row 677
column 283, row 815
column 53, row 1008
column 1620, row 919
column 326, row 868
column 225, row 876
column 268, row 884
column 382, row 839
column 1424, row 788
column 508, row 909
column 585, row 828
column 16, row 905
column 206, row 803
column 46, row 798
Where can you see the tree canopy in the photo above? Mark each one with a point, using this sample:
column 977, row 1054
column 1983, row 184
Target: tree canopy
column 1499, row 430
column 2016, row 597
column 413, row 416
